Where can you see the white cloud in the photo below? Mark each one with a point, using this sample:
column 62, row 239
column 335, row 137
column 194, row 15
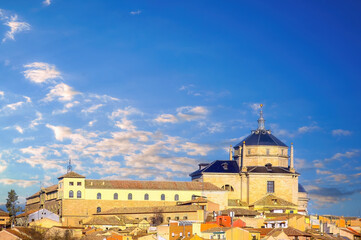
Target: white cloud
column 166, row 118
column 18, row 140
column 92, row 108
column 28, row 100
column 194, row 149
column 60, row 132
column 340, row 156
column 318, row 171
column 215, row 128
column 14, row 106
column 3, row 165
column 306, row 129
column 40, row 72
column 36, row 121
column 2, row 94
column 15, row 27
column 341, row 132
column 19, row 129
column 192, row 113
column 46, row 2
column 255, row 106
column 120, row 113
column 91, row 123
column 20, row 183
column 135, row 12
column 62, row 92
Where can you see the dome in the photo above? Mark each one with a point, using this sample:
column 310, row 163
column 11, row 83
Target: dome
column 301, row 188
column 261, row 137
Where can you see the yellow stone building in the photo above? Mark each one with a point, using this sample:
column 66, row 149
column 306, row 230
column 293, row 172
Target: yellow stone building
column 261, row 170
column 260, row 175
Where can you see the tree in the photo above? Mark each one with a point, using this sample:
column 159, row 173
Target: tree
column 157, row 218
column 11, row 205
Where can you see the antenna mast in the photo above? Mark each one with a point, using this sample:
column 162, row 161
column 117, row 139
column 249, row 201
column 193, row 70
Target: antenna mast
column 69, row 168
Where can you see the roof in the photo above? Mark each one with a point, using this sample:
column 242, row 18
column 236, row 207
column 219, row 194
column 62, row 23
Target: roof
column 104, row 220
column 261, row 137
column 216, row 229
column 71, row 175
column 25, row 214
column 290, row 231
column 46, row 190
column 24, row 233
column 3, row 213
column 301, row 188
column 218, row 166
column 154, row 209
column 150, row 185
column 272, row 200
column 240, row 212
column 262, row 231
column 271, row 169
column 237, row 203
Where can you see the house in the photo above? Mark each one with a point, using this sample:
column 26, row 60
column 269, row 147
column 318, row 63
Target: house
column 175, row 230
column 277, row 235
column 19, row 233
column 292, row 233
column 350, row 233
column 242, row 234
column 4, row 218
column 215, row 233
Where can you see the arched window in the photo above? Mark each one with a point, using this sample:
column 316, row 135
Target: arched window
column 130, row 196
column 146, row 196
column 115, row 196
column 78, row 194
column 228, row 187
column 71, row 194
column 99, row 196
column 162, row 197
column 194, row 197
column 176, row 197
column 99, row 209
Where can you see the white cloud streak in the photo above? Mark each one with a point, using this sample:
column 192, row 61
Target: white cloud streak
column 341, row 132
column 15, row 27
column 40, row 72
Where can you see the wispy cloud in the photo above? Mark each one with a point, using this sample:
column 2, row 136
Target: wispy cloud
column 340, row 156
column 92, row 108
column 46, row 2
column 341, row 132
column 15, row 26
column 20, row 183
column 308, row 129
column 40, row 72
column 61, row 92
column 186, row 113
column 325, row 172
column 166, row 118
column 135, row 12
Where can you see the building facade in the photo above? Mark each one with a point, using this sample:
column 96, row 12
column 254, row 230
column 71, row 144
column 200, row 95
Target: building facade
column 262, row 166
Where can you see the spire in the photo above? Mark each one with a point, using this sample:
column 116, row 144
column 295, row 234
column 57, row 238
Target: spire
column 230, row 153
column 69, row 168
column 261, row 119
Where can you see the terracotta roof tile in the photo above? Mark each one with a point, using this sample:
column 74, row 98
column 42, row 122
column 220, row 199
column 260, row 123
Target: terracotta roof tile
column 290, row 231
column 163, row 185
column 273, row 201
column 138, row 210
column 240, row 212
column 71, row 175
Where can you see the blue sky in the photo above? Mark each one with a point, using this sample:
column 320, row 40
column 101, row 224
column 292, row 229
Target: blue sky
column 148, row 89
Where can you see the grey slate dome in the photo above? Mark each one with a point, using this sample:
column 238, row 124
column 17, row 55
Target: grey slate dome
column 261, row 136
column 301, row 188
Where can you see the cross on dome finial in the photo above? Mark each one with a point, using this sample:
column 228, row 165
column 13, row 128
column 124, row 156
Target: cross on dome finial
column 261, row 119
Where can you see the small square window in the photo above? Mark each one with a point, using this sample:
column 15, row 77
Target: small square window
column 78, row 183
column 71, row 183
column 267, row 151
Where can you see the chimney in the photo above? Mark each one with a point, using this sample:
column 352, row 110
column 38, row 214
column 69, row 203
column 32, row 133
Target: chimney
column 292, row 169
column 242, row 164
column 230, row 153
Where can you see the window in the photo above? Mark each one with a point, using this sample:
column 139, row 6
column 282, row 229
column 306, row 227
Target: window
column 180, row 234
column 185, row 218
column 146, row 196
column 71, row 194
column 270, row 186
column 248, row 151
column 99, row 196
column 78, row 194
column 71, row 183
column 282, row 152
column 228, row 187
column 172, row 234
column 78, row 183
column 267, row 151
column 130, row 196
column 176, row 218
column 194, row 197
column 115, row 197
column 99, row 209
column 176, row 197
column 162, row 197
column 168, row 219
